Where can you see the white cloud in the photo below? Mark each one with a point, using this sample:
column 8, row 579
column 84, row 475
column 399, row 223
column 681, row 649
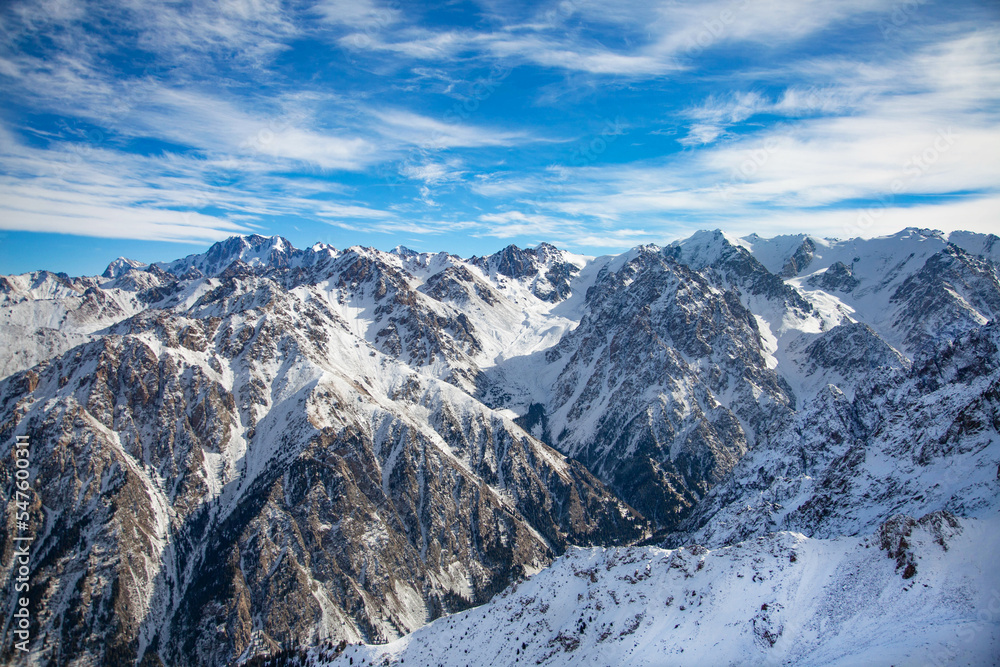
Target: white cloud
column 433, row 172
column 617, row 239
column 975, row 214
column 563, row 54
column 417, row 43
column 242, row 32
column 333, row 210
column 215, row 126
column 111, row 221
column 435, row 134
column 94, row 190
column 882, row 133
column 690, row 28
column 851, row 128
column 368, row 16
column 713, row 117
column 702, row 133
column 567, row 233
column 660, row 37
column 509, row 224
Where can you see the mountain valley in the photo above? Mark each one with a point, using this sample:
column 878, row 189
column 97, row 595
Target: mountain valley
column 260, row 449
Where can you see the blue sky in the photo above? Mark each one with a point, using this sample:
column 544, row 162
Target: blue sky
column 151, row 128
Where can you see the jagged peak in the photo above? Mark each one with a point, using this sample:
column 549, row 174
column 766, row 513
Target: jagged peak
column 319, row 246
column 254, row 250
column 121, row 266
column 983, row 245
column 254, row 242
column 704, row 248
column 776, row 251
column 403, row 251
column 924, row 232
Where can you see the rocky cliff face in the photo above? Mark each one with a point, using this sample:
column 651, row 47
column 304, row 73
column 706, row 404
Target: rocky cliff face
column 260, row 446
column 240, row 465
column 879, row 432
column 663, row 386
column 911, row 440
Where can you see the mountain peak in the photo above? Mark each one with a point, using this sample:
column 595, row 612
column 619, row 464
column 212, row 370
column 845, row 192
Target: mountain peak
column 121, row 266
column 255, row 251
column 704, row 248
column 403, row 251
column 254, row 414
column 921, row 231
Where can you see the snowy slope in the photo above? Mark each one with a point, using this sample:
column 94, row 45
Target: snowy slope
column 343, row 444
column 43, row 314
column 870, row 280
column 914, row 592
column 250, row 432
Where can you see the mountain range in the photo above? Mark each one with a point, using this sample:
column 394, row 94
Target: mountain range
column 262, row 447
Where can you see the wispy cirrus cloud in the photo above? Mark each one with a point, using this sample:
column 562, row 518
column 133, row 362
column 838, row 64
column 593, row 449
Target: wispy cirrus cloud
column 487, row 121
column 159, row 147
column 100, row 191
column 862, row 147
column 433, row 173
column 510, row 224
column 692, row 27
column 106, row 199
column 432, row 133
column 364, row 14
column 567, row 232
column 660, row 37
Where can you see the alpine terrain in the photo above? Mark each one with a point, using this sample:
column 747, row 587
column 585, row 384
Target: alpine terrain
column 720, row 451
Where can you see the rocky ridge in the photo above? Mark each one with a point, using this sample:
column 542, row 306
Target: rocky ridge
column 262, row 446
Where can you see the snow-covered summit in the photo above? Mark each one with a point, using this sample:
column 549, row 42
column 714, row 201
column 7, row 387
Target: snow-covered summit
column 253, row 250
column 121, row 266
column 386, row 437
column 704, row 248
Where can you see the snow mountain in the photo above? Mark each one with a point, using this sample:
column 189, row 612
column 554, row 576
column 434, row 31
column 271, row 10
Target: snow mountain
column 260, row 446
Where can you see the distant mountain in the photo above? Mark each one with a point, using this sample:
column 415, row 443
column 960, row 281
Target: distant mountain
column 121, row 266
column 261, row 446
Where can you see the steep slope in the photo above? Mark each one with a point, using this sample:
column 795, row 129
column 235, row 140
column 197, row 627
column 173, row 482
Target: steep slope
column 43, row 314
column 907, row 427
column 911, row 593
column 952, row 293
column 663, row 385
column 673, row 372
column 917, row 288
column 261, row 446
column 252, row 251
column 242, row 466
column 916, row 440
column 546, row 271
